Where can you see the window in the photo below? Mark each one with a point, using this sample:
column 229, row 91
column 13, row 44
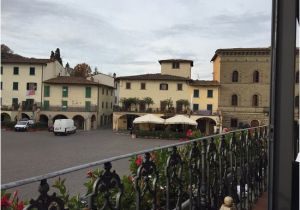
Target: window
column 195, row 107
column 15, row 86
column 175, row 65
column 46, row 105
column 255, row 100
column 107, row 92
column 297, row 102
column 111, row 92
column 31, row 86
column 210, row 93
column 111, row 105
column 143, row 86
column 233, row 122
column 46, row 91
column 16, row 70
column 65, row 91
column 102, row 104
column 1, row 86
column 88, row 91
column 234, row 100
column 1, row 70
column 87, row 106
column 163, row 86
column 106, row 105
column 64, row 105
column 255, row 76
column 163, row 105
column 196, row 93
column 15, row 102
column 297, row 77
column 31, row 71
column 210, row 107
column 235, row 76
column 179, row 86
column 128, row 85
column 103, row 91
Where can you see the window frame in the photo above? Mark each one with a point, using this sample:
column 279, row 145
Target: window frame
column 256, row 76
column 47, row 91
column 128, row 85
column 234, row 100
column 235, row 76
column 65, row 94
column 181, row 87
column 194, row 95
column 166, row 85
column 30, row 71
column 234, row 121
column 46, row 105
column 210, row 95
column 143, row 86
column 175, row 65
column 255, row 100
column 64, row 103
column 17, row 86
column 209, row 105
column 88, row 92
column 87, row 106
column 194, row 107
column 16, row 68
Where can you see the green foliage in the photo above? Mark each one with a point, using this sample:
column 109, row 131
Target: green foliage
column 11, row 201
column 149, row 101
column 8, row 124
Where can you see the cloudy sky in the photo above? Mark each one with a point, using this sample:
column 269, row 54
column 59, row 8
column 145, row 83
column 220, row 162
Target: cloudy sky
column 129, row 36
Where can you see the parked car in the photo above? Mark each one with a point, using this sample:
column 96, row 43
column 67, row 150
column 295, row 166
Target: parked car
column 22, row 126
column 64, row 126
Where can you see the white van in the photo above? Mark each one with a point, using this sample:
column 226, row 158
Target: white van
column 64, row 126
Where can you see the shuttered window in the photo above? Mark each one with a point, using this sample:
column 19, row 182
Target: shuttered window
column 46, row 91
column 88, row 91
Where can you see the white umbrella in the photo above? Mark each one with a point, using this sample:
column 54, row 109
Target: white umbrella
column 149, row 118
column 180, row 119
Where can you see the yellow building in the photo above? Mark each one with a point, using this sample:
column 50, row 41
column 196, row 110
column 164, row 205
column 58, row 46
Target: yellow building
column 173, row 92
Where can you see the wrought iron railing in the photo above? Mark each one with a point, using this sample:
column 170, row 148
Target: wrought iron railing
column 197, row 174
column 92, row 108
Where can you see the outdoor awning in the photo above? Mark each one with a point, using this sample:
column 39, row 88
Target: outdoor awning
column 180, row 119
column 149, row 118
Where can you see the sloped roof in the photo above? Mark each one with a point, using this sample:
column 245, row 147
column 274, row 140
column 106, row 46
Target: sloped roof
column 70, row 80
column 204, row 83
column 8, row 58
column 157, row 76
column 176, row 60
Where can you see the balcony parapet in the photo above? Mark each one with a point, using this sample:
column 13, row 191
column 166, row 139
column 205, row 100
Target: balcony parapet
column 199, row 172
column 92, row 108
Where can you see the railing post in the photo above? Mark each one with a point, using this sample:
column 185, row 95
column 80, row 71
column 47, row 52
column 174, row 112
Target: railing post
column 203, row 189
column 233, row 169
column 212, row 174
column 222, row 169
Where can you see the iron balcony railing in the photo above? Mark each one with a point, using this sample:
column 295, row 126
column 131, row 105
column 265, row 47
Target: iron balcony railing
column 92, row 108
column 197, row 174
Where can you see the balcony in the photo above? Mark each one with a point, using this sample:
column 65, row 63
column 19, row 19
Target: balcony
column 92, row 108
column 194, row 174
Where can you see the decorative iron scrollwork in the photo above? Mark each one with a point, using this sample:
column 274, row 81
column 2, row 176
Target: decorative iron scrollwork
column 146, row 182
column 109, row 186
column 174, row 180
column 44, row 201
column 212, row 175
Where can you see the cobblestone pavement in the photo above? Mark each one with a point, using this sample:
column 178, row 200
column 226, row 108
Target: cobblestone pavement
column 27, row 154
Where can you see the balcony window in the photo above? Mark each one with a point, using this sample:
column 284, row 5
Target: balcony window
column 175, row 65
column 235, row 76
column 210, row 107
column 102, row 90
column 233, row 123
column 234, row 100
column 31, row 86
column 128, row 85
column 102, row 104
column 255, row 76
column 88, row 92
column 163, row 105
column 297, row 77
column 111, row 92
column 143, row 86
column 255, row 100
column 163, row 86
column 15, row 102
column 210, row 93
column 15, row 86
column 65, row 91
column 107, row 92
column 87, row 106
column 64, row 105
column 179, row 86
column 297, row 102
column 16, row 70
column 196, row 93
column 46, row 91
column 46, row 105
column 195, row 107
column 31, row 71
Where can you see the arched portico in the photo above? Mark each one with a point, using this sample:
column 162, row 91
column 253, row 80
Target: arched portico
column 5, row 117
column 206, row 125
column 44, row 119
column 254, row 123
column 79, row 122
column 125, row 122
column 59, row 116
column 93, row 122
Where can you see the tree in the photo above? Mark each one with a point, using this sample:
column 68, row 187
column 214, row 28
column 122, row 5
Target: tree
column 149, row 101
column 57, row 56
column 5, row 49
column 82, row 70
column 96, row 71
column 183, row 102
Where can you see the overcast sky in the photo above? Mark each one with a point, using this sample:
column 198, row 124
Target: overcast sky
column 129, row 36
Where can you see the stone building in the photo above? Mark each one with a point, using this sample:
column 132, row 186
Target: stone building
column 244, row 75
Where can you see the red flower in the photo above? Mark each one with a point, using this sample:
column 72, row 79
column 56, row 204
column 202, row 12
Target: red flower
column 5, row 202
column 189, row 133
column 139, row 160
column 15, row 194
column 90, row 174
column 20, row 206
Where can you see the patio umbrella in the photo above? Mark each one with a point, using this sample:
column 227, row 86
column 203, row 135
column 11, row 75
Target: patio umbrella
column 180, row 119
column 149, row 118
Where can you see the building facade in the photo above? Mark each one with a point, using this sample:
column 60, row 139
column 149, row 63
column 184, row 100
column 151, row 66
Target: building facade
column 244, row 75
column 172, row 92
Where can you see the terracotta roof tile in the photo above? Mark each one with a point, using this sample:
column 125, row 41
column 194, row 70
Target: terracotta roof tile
column 70, row 80
column 18, row 59
column 153, row 77
column 176, row 60
column 204, row 83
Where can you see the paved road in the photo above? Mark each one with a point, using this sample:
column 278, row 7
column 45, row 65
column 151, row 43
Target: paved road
column 30, row 154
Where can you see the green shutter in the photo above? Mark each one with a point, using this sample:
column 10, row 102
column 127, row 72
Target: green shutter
column 46, row 91
column 64, row 105
column 65, row 91
column 88, row 91
column 46, row 105
column 87, row 106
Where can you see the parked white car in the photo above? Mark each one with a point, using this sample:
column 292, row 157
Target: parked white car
column 64, row 126
column 22, row 126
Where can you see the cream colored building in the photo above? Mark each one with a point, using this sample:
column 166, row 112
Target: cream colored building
column 174, row 83
column 244, row 76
